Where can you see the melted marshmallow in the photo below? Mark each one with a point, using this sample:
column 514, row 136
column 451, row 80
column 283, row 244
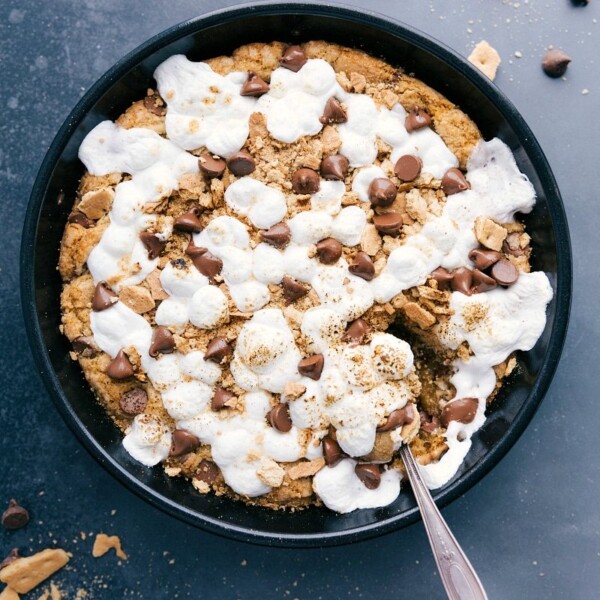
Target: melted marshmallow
column 263, row 205
column 147, row 440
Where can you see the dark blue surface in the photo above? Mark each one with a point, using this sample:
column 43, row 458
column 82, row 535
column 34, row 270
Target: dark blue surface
column 531, row 527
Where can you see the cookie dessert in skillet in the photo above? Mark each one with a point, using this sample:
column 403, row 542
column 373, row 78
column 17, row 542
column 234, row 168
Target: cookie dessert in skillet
column 282, row 265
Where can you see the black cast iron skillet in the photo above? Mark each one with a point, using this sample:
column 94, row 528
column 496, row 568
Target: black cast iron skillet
column 220, row 33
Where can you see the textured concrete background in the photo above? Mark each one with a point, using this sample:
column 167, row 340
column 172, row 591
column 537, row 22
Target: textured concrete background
column 531, row 527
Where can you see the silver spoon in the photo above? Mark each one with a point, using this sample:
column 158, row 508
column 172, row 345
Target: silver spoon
column 457, row 573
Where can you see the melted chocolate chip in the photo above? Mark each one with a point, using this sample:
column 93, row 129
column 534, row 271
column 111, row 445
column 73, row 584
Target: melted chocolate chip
column 211, row 166
column 218, row 350
column 482, row 282
column 429, row 423
column 555, row 63
column 332, row 452
column 333, row 113
column 369, row 474
column 162, row 342
column 483, row 259
column 120, row 367
column 188, row 221
column 254, row 86
column 382, row 192
column 279, row 418
column 399, row 418
column 334, row 167
column 206, row 262
column 388, row 223
column 462, row 410
column 279, row 235
column 312, row 366
column 408, row 167
column 153, row 244
column 241, row 163
column 133, row 402
column 222, row 398
column 504, row 272
column 292, row 290
column 103, row 297
column 293, row 59
column 362, row 266
column 305, row 181
column 462, row 278
column 417, row 119
column 207, row 471
column 85, row 345
column 454, row 182
column 15, row 516
column 356, row 332
column 329, row 251
column 443, row 278
column 78, row 218
column 155, row 104
column 10, row 558
column 182, row 442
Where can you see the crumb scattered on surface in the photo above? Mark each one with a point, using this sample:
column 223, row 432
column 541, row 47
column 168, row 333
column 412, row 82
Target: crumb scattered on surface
column 486, row 59
column 27, row 572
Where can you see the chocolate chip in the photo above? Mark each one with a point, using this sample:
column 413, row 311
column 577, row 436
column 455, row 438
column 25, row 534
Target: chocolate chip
column 398, row 418
column 155, row 104
column 78, row 218
column 134, row 401
column 333, row 113
column 483, row 259
column 207, row 471
column 153, row 244
column 279, row 235
column 369, row 474
column 417, row 119
column 408, row 167
column 356, row 332
column 580, row 2
column 454, row 182
column 332, row 452
column 388, row 223
column 312, row 366
column 120, row 367
column 162, row 342
column 504, row 272
column 254, row 86
column 182, row 442
column 462, row 410
column 279, row 418
column 10, row 558
column 222, row 398
column 482, row 282
column 293, row 59
column 362, row 266
column 329, row 251
column 462, row 278
column 305, row 181
column 103, row 297
column 85, row 345
column 382, row 192
column 429, row 423
column 211, row 166
column 334, row 167
column 241, row 163
column 292, row 290
column 188, row 221
column 555, row 63
column 206, row 262
column 15, row 516
column 217, row 350
column 443, row 277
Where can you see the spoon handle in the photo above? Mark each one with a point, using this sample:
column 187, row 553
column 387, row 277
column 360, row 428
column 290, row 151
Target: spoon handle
column 457, row 574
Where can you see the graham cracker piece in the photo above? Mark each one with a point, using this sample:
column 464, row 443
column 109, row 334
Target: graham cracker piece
column 27, row 572
column 423, row 318
column 103, row 543
column 489, row 233
column 306, row 468
column 95, row 204
column 486, row 59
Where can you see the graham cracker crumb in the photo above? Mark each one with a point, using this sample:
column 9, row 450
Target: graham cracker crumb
column 489, row 233
column 103, row 543
column 486, row 59
column 27, row 572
